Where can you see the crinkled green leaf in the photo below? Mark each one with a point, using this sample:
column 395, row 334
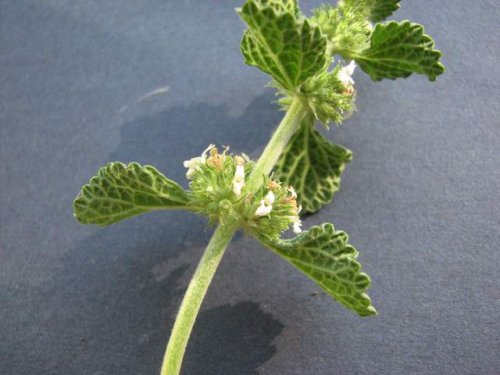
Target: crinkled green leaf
column 375, row 10
column 398, row 50
column 312, row 165
column 279, row 6
column 381, row 9
column 325, row 256
column 281, row 44
column 120, row 191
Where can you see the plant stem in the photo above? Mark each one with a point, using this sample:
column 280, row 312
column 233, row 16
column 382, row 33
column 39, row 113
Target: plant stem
column 286, row 129
column 193, row 298
column 212, row 256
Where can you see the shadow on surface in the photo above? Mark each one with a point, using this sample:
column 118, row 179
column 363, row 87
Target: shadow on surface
column 107, row 308
column 231, row 340
column 164, row 139
column 109, row 303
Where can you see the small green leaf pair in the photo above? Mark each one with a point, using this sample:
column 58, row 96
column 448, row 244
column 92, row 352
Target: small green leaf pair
column 120, row 191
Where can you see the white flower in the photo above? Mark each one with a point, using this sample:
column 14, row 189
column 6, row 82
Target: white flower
column 297, row 224
column 345, row 73
column 266, row 205
column 263, row 209
column 237, row 186
column 190, row 173
column 193, row 163
column 292, row 192
column 239, row 176
column 269, row 198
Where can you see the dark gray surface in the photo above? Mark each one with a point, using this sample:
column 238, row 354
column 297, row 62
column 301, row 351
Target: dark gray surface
column 421, row 200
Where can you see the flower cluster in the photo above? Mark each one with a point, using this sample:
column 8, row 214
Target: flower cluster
column 273, row 210
column 330, row 95
column 218, row 190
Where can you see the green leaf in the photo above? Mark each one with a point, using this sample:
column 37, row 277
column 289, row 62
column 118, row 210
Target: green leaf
column 398, row 50
column 120, row 191
column 290, row 6
column 325, row 256
column 375, row 10
column 381, row 9
column 312, row 165
column 278, row 43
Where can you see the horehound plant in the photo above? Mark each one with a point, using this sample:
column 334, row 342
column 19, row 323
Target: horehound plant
column 299, row 169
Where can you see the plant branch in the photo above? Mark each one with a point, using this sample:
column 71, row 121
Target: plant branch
column 212, row 256
column 287, row 128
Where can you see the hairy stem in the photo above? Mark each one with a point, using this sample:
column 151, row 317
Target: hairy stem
column 212, row 256
column 194, row 297
column 287, row 128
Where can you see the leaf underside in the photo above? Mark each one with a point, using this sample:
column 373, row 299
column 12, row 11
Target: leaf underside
column 398, row 50
column 279, row 44
column 313, row 166
column 120, row 191
column 325, row 256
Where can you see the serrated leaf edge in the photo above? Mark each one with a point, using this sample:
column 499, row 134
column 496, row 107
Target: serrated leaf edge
column 316, row 230
column 137, row 209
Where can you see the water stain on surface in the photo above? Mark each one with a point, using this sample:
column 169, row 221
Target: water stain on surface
column 232, row 339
